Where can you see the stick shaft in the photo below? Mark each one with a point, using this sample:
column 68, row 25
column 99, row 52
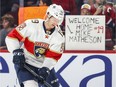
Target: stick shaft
column 36, row 75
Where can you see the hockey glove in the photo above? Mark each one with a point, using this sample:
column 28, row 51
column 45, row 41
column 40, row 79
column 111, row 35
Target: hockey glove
column 18, row 58
column 43, row 73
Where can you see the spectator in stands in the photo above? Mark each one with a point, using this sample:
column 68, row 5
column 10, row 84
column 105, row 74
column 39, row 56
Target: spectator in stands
column 14, row 11
column 90, row 2
column 30, row 2
column 5, row 7
column 45, row 2
column 8, row 24
column 15, row 5
column 101, row 7
column 85, row 9
column 81, row 2
column 10, row 7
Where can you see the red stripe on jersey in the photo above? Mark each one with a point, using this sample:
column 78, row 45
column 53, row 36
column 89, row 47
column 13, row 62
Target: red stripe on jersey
column 29, row 45
column 15, row 34
column 53, row 55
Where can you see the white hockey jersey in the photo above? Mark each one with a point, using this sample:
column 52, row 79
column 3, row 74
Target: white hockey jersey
column 41, row 47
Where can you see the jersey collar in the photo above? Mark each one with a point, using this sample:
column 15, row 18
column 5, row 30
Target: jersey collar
column 49, row 32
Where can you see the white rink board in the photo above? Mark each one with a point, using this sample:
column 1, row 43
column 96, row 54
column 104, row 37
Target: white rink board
column 72, row 69
column 85, row 32
column 7, row 79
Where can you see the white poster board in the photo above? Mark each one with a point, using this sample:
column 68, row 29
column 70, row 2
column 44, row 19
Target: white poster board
column 85, row 32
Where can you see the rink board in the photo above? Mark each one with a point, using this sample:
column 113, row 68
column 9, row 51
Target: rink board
column 73, row 70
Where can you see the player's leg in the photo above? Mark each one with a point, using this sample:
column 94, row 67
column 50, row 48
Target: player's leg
column 52, row 79
column 25, row 78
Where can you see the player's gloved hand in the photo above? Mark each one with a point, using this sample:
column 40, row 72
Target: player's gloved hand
column 19, row 58
column 43, row 73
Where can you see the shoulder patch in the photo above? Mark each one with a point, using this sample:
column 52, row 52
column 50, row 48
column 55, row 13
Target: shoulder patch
column 21, row 26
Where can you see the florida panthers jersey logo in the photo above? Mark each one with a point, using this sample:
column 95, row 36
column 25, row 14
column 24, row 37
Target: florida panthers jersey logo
column 40, row 49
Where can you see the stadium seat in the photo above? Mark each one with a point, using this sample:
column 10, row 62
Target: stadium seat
column 31, row 12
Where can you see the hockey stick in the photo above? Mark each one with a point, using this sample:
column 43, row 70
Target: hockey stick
column 36, row 75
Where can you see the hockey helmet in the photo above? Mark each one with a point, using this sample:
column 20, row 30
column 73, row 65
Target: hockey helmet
column 57, row 12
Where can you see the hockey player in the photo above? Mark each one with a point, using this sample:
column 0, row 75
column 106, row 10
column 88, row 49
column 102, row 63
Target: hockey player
column 102, row 7
column 43, row 44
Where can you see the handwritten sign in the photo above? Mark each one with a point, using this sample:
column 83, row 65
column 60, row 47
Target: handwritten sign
column 85, row 32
